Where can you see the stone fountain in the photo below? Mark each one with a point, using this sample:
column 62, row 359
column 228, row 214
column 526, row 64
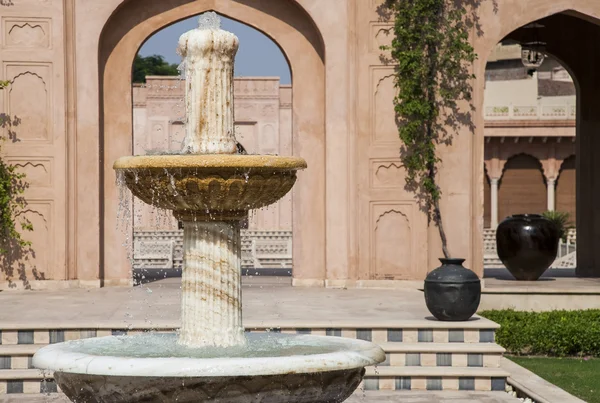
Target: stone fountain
column 210, row 188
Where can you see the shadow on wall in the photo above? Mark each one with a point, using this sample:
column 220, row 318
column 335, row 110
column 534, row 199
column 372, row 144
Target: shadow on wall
column 17, row 256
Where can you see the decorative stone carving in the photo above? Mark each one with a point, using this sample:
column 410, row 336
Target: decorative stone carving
column 268, row 111
column 38, row 171
column 257, row 88
column 388, row 175
column 382, row 35
column 155, row 250
column 568, row 261
column 25, row 33
column 260, row 249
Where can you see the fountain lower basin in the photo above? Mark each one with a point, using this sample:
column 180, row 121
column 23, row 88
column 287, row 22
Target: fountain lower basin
column 153, row 367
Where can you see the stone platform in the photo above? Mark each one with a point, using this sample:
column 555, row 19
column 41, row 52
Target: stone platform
column 422, row 353
column 557, row 289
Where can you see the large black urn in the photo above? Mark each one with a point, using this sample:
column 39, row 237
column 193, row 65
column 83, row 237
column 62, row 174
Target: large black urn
column 452, row 292
column 527, row 245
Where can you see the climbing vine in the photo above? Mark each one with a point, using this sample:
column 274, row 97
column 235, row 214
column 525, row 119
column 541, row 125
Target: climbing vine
column 433, row 55
column 12, row 187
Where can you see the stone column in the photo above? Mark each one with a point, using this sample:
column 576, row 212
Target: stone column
column 494, row 201
column 551, row 182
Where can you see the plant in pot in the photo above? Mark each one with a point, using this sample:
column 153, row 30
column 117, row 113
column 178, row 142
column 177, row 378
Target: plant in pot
column 562, row 220
column 432, row 55
column 527, row 244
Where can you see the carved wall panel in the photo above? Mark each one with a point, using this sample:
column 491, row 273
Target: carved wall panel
column 38, row 170
column 269, row 111
column 26, row 33
column 28, row 98
column 384, row 128
column 381, row 35
column 392, row 241
column 387, row 174
column 244, row 111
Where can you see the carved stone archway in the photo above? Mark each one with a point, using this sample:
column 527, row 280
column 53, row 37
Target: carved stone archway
column 297, row 35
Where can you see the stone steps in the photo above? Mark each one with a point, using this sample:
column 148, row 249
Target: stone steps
column 434, row 378
column 35, row 398
column 487, row 355
column 25, row 381
column 420, row 354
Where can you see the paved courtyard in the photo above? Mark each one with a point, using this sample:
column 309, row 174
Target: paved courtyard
column 268, row 302
column 359, row 397
column 554, row 281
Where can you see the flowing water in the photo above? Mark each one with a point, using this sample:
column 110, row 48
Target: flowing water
column 159, row 345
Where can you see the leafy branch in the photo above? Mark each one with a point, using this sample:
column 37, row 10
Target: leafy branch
column 12, row 187
column 433, row 55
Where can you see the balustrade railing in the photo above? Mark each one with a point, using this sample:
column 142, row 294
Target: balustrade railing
column 530, row 112
column 565, row 257
column 260, row 249
column 273, row 249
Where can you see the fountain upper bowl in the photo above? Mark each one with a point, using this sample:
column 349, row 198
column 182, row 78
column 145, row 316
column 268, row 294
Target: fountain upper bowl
column 209, row 184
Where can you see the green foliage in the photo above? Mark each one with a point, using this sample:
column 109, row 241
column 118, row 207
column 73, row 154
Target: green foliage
column 154, row 65
column 561, row 220
column 12, row 187
column 554, row 333
column 433, row 55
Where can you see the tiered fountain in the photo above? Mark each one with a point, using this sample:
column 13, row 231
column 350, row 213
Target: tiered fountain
column 210, row 188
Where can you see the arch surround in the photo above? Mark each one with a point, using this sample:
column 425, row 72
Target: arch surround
column 294, row 31
column 573, row 45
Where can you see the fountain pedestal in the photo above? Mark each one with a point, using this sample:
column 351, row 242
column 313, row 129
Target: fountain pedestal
column 211, row 309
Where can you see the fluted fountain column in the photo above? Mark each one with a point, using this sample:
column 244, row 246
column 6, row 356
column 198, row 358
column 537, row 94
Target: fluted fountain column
column 208, row 57
column 211, row 306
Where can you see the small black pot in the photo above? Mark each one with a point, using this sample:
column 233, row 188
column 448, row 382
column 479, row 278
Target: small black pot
column 527, row 244
column 452, row 292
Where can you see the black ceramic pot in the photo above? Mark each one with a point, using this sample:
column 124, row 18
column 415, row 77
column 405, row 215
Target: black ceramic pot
column 452, row 292
column 527, row 245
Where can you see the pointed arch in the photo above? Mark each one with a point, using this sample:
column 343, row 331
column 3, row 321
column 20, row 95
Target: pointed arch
column 295, row 32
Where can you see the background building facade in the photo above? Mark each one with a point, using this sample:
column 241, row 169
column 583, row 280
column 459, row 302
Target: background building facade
column 69, row 62
column 529, row 152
